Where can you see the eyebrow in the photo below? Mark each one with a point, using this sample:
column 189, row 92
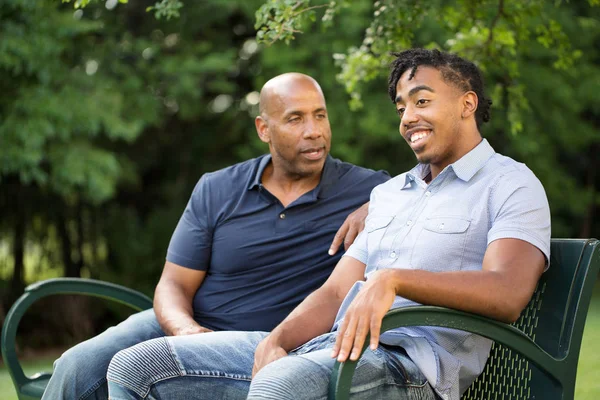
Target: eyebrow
column 415, row 90
column 299, row 112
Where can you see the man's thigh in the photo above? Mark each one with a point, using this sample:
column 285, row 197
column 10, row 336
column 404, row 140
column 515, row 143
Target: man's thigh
column 202, row 366
column 384, row 373
column 81, row 371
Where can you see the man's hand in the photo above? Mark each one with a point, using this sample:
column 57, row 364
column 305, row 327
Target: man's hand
column 266, row 352
column 365, row 313
column 352, row 226
column 190, row 329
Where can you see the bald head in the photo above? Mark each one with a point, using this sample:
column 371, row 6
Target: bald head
column 283, row 86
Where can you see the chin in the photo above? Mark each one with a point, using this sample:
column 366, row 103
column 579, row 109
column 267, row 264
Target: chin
column 423, row 158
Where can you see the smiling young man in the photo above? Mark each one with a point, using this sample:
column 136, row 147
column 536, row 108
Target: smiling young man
column 467, row 228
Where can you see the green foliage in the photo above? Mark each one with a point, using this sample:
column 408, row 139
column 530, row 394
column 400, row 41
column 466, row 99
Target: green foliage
column 492, row 33
column 109, row 115
column 166, row 8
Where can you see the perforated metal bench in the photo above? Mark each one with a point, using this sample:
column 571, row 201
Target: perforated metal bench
column 534, row 358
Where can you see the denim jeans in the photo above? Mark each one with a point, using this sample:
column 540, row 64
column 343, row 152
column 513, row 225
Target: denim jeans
column 80, row 373
column 219, row 366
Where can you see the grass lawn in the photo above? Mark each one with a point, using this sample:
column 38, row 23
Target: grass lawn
column 588, row 372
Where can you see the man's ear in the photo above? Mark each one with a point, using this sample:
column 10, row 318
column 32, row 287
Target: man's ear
column 262, row 128
column 469, row 104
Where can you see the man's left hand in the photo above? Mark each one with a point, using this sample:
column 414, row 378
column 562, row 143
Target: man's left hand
column 364, row 315
column 352, row 226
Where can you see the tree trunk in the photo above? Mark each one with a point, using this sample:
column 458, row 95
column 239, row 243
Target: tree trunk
column 18, row 249
column 588, row 221
column 79, row 262
column 70, row 269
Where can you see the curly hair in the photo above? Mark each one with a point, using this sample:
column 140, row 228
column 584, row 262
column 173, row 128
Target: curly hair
column 456, row 70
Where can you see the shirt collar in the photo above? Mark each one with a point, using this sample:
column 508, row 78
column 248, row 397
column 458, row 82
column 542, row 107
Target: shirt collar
column 468, row 165
column 419, row 171
column 262, row 164
column 465, row 168
column 328, row 175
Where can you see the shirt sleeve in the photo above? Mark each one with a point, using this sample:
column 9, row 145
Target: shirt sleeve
column 359, row 249
column 521, row 211
column 191, row 242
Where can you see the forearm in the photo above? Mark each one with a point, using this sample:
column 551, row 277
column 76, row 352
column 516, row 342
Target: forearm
column 486, row 293
column 173, row 309
column 313, row 317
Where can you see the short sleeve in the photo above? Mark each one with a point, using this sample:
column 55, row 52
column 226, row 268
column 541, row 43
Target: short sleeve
column 359, row 249
column 521, row 211
column 191, row 242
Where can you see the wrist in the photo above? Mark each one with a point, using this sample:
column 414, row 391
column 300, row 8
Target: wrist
column 391, row 279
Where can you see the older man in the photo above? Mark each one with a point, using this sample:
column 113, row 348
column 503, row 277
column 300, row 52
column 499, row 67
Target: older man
column 252, row 243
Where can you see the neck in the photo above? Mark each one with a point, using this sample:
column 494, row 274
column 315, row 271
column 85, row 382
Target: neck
column 466, row 146
column 287, row 187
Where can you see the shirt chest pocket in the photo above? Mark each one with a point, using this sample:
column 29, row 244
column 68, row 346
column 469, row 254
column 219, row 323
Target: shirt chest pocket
column 376, row 227
column 440, row 245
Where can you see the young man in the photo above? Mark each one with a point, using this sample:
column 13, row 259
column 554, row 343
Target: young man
column 466, row 228
column 252, row 243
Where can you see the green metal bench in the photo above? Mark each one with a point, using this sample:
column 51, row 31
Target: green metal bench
column 534, row 358
column 30, row 388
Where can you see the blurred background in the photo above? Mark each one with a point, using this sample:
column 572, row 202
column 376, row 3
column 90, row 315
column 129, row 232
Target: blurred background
column 109, row 116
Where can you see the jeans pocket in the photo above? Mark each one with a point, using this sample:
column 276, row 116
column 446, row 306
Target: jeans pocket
column 320, row 342
column 401, row 370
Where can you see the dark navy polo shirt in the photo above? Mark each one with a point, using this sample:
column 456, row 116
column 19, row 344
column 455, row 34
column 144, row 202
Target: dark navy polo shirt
column 261, row 258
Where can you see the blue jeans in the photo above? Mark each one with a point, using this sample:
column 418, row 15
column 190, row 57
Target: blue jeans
column 218, row 365
column 80, row 373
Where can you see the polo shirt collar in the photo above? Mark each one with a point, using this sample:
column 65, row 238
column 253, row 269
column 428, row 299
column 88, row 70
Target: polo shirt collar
column 256, row 179
column 328, row 175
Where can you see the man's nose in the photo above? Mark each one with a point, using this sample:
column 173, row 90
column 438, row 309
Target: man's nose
column 313, row 129
column 409, row 117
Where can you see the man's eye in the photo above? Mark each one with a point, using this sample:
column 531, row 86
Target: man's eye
column 422, row 101
column 400, row 111
column 294, row 119
column 321, row 116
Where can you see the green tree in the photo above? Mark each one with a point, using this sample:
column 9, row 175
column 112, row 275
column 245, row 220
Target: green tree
column 540, row 60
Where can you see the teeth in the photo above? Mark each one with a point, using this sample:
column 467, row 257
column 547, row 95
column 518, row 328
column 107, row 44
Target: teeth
column 418, row 135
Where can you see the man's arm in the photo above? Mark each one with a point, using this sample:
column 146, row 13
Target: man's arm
column 173, row 299
column 313, row 317
column 511, row 269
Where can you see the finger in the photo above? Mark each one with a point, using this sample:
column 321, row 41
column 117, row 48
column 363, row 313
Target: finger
column 375, row 332
column 339, row 238
column 350, row 236
column 338, row 339
column 347, row 341
column 362, row 329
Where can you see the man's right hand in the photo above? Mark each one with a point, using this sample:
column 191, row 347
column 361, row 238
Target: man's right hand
column 266, row 352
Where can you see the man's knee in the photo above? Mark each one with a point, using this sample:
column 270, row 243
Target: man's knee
column 291, row 377
column 141, row 366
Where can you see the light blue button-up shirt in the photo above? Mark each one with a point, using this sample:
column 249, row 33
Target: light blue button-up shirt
column 446, row 225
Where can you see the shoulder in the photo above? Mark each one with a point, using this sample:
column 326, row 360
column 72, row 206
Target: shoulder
column 511, row 174
column 341, row 170
column 242, row 172
column 223, row 183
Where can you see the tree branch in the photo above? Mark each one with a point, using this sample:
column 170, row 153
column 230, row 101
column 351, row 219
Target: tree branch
column 494, row 22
